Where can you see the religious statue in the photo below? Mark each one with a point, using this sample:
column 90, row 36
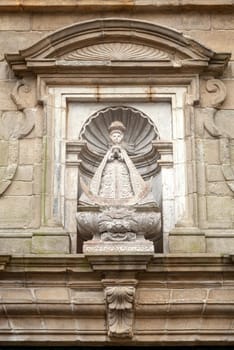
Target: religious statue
column 116, row 181
column 118, row 205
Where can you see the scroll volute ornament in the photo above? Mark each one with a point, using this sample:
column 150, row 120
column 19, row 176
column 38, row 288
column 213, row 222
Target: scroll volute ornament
column 120, row 300
column 216, row 95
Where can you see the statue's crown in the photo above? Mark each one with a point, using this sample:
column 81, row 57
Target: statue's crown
column 116, row 125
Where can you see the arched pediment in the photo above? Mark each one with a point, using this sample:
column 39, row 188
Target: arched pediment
column 117, row 43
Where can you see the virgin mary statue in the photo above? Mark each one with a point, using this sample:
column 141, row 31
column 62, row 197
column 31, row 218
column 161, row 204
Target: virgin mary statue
column 116, row 181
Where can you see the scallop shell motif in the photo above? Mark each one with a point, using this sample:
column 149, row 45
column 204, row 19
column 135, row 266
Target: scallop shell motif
column 138, row 137
column 117, row 52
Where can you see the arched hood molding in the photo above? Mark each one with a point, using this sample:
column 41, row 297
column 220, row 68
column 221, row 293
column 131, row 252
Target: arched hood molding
column 117, row 43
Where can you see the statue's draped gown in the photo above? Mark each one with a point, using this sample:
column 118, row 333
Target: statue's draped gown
column 116, row 180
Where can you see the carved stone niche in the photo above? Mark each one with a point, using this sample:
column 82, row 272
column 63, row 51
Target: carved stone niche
column 117, row 209
column 110, row 61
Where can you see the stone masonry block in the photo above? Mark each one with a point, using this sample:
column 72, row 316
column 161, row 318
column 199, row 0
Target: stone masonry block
column 50, row 244
column 183, row 323
column 26, row 151
column 19, row 188
column 229, row 101
column 197, row 294
column 13, row 245
column 150, row 324
column 218, row 40
column 87, row 297
column 5, row 90
column 5, row 72
column 220, row 208
column 11, row 21
column 220, row 245
column 186, row 243
column 24, row 173
column 3, row 153
column 60, row 323
column 4, row 324
column 216, row 323
column 52, row 21
column 221, row 294
column 13, row 41
column 222, row 21
column 26, row 323
column 195, row 20
column 214, row 173
column 153, row 296
column 15, row 211
column 17, row 309
column 211, row 151
column 16, row 294
column 224, row 118
column 219, row 189
column 54, row 293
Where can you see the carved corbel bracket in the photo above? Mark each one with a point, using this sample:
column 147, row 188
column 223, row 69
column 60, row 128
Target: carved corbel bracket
column 120, row 302
column 14, row 125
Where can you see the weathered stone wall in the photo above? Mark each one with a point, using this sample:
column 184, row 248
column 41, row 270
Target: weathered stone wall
column 50, row 297
column 20, row 29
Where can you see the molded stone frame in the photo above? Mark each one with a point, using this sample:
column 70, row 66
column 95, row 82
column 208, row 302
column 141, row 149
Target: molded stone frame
column 70, row 65
column 176, row 203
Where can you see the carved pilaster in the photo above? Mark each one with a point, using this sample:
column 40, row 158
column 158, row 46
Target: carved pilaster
column 120, row 299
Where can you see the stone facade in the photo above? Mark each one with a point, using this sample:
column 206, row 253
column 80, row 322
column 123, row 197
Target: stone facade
column 61, row 66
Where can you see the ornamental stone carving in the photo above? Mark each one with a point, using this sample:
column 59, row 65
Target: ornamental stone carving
column 115, row 52
column 117, row 205
column 217, row 92
column 14, row 125
column 120, row 310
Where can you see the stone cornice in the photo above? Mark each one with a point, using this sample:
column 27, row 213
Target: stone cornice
column 179, row 299
column 82, row 264
column 71, row 5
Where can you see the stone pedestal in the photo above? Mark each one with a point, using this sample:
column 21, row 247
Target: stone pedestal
column 118, row 247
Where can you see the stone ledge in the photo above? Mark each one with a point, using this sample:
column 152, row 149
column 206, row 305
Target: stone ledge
column 181, row 299
column 80, row 263
column 95, row 5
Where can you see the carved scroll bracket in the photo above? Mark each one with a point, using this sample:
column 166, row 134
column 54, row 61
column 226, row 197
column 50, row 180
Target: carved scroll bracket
column 120, row 302
column 217, row 90
column 14, row 125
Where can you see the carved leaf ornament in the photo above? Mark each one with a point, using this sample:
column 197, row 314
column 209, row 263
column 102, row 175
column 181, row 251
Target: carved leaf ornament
column 120, row 302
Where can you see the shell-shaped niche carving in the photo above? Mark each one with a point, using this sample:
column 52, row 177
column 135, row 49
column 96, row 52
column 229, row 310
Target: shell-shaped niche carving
column 139, row 134
column 117, row 51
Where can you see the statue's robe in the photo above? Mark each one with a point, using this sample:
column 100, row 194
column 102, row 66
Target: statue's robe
column 116, row 182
